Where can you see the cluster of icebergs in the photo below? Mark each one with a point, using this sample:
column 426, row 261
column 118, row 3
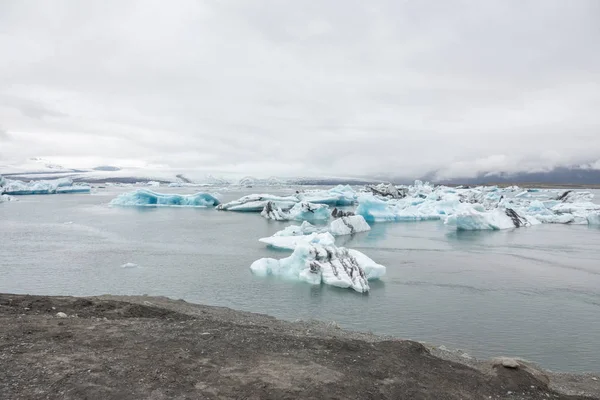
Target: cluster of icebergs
column 481, row 208
column 9, row 187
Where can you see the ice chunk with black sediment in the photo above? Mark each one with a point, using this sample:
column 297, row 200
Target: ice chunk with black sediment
column 571, row 196
column 330, row 265
column 302, row 211
column 148, row 198
column 388, row 190
column 471, row 219
column 257, row 202
column 338, row 213
column 53, row 186
column 348, row 225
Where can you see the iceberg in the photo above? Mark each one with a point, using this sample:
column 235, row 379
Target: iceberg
column 470, row 220
column 571, row 208
column 388, row 190
column 4, row 198
column 291, row 242
column 148, row 198
column 327, row 264
column 594, row 218
column 257, row 202
column 306, row 228
column 571, row 196
column 341, row 195
column 302, row 211
column 293, row 235
column 407, row 209
column 54, row 186
column 348, row 225
column 271, row 211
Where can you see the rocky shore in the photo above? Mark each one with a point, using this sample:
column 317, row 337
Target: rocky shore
column 113, row 347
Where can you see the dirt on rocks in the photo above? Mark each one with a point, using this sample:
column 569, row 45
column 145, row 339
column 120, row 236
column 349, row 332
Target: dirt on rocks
column 113, row 347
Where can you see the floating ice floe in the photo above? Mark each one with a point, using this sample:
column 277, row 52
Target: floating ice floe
column 594, row 218
column 54, row 186
column 328, row 264
column 148, row 198
column 302, row 211
column 291, row 242
column 469, row 220
column 257, row 202
column 290, row 236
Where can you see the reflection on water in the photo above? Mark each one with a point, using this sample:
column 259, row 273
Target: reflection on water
column 531, row 292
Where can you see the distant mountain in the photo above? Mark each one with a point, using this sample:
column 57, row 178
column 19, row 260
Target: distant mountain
column 557, row 176
column 107, row 168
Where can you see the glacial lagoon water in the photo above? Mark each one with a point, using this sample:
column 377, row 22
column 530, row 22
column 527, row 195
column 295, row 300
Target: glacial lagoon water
column 530, row 292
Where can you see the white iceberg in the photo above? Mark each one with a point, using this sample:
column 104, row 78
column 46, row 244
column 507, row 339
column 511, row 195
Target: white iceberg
column 4, row 198
column 291, row 242
column 54, row 186
column 290, row 236
column 148, row 198
column 306, row 228
column 316, row 264
column 341, row 195
column 471, row 219
column 348, row 225
column 302, row 211
column 257, row 202
column 594, row 218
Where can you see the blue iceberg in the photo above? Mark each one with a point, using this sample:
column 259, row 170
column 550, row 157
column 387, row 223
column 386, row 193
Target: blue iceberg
column 341, row 195
column 148, row 198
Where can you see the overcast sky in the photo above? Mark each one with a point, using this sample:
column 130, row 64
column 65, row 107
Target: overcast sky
column 323, row 87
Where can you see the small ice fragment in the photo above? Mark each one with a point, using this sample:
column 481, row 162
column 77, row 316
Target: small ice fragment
column 129, row 265
column 61, row 315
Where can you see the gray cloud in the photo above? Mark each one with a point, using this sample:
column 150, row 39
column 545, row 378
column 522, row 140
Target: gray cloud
column 300, row 88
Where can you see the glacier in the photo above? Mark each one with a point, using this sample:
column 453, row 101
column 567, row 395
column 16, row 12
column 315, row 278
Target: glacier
column 148, row 198
column 53, row 186
column 323, row 264
column 302, row 211
column 257, row 203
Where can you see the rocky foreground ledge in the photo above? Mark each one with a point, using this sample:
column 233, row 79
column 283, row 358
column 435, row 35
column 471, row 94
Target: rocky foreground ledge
column 113, row 347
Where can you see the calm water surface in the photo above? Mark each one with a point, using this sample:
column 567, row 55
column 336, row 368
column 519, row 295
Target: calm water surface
column 532, row 292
